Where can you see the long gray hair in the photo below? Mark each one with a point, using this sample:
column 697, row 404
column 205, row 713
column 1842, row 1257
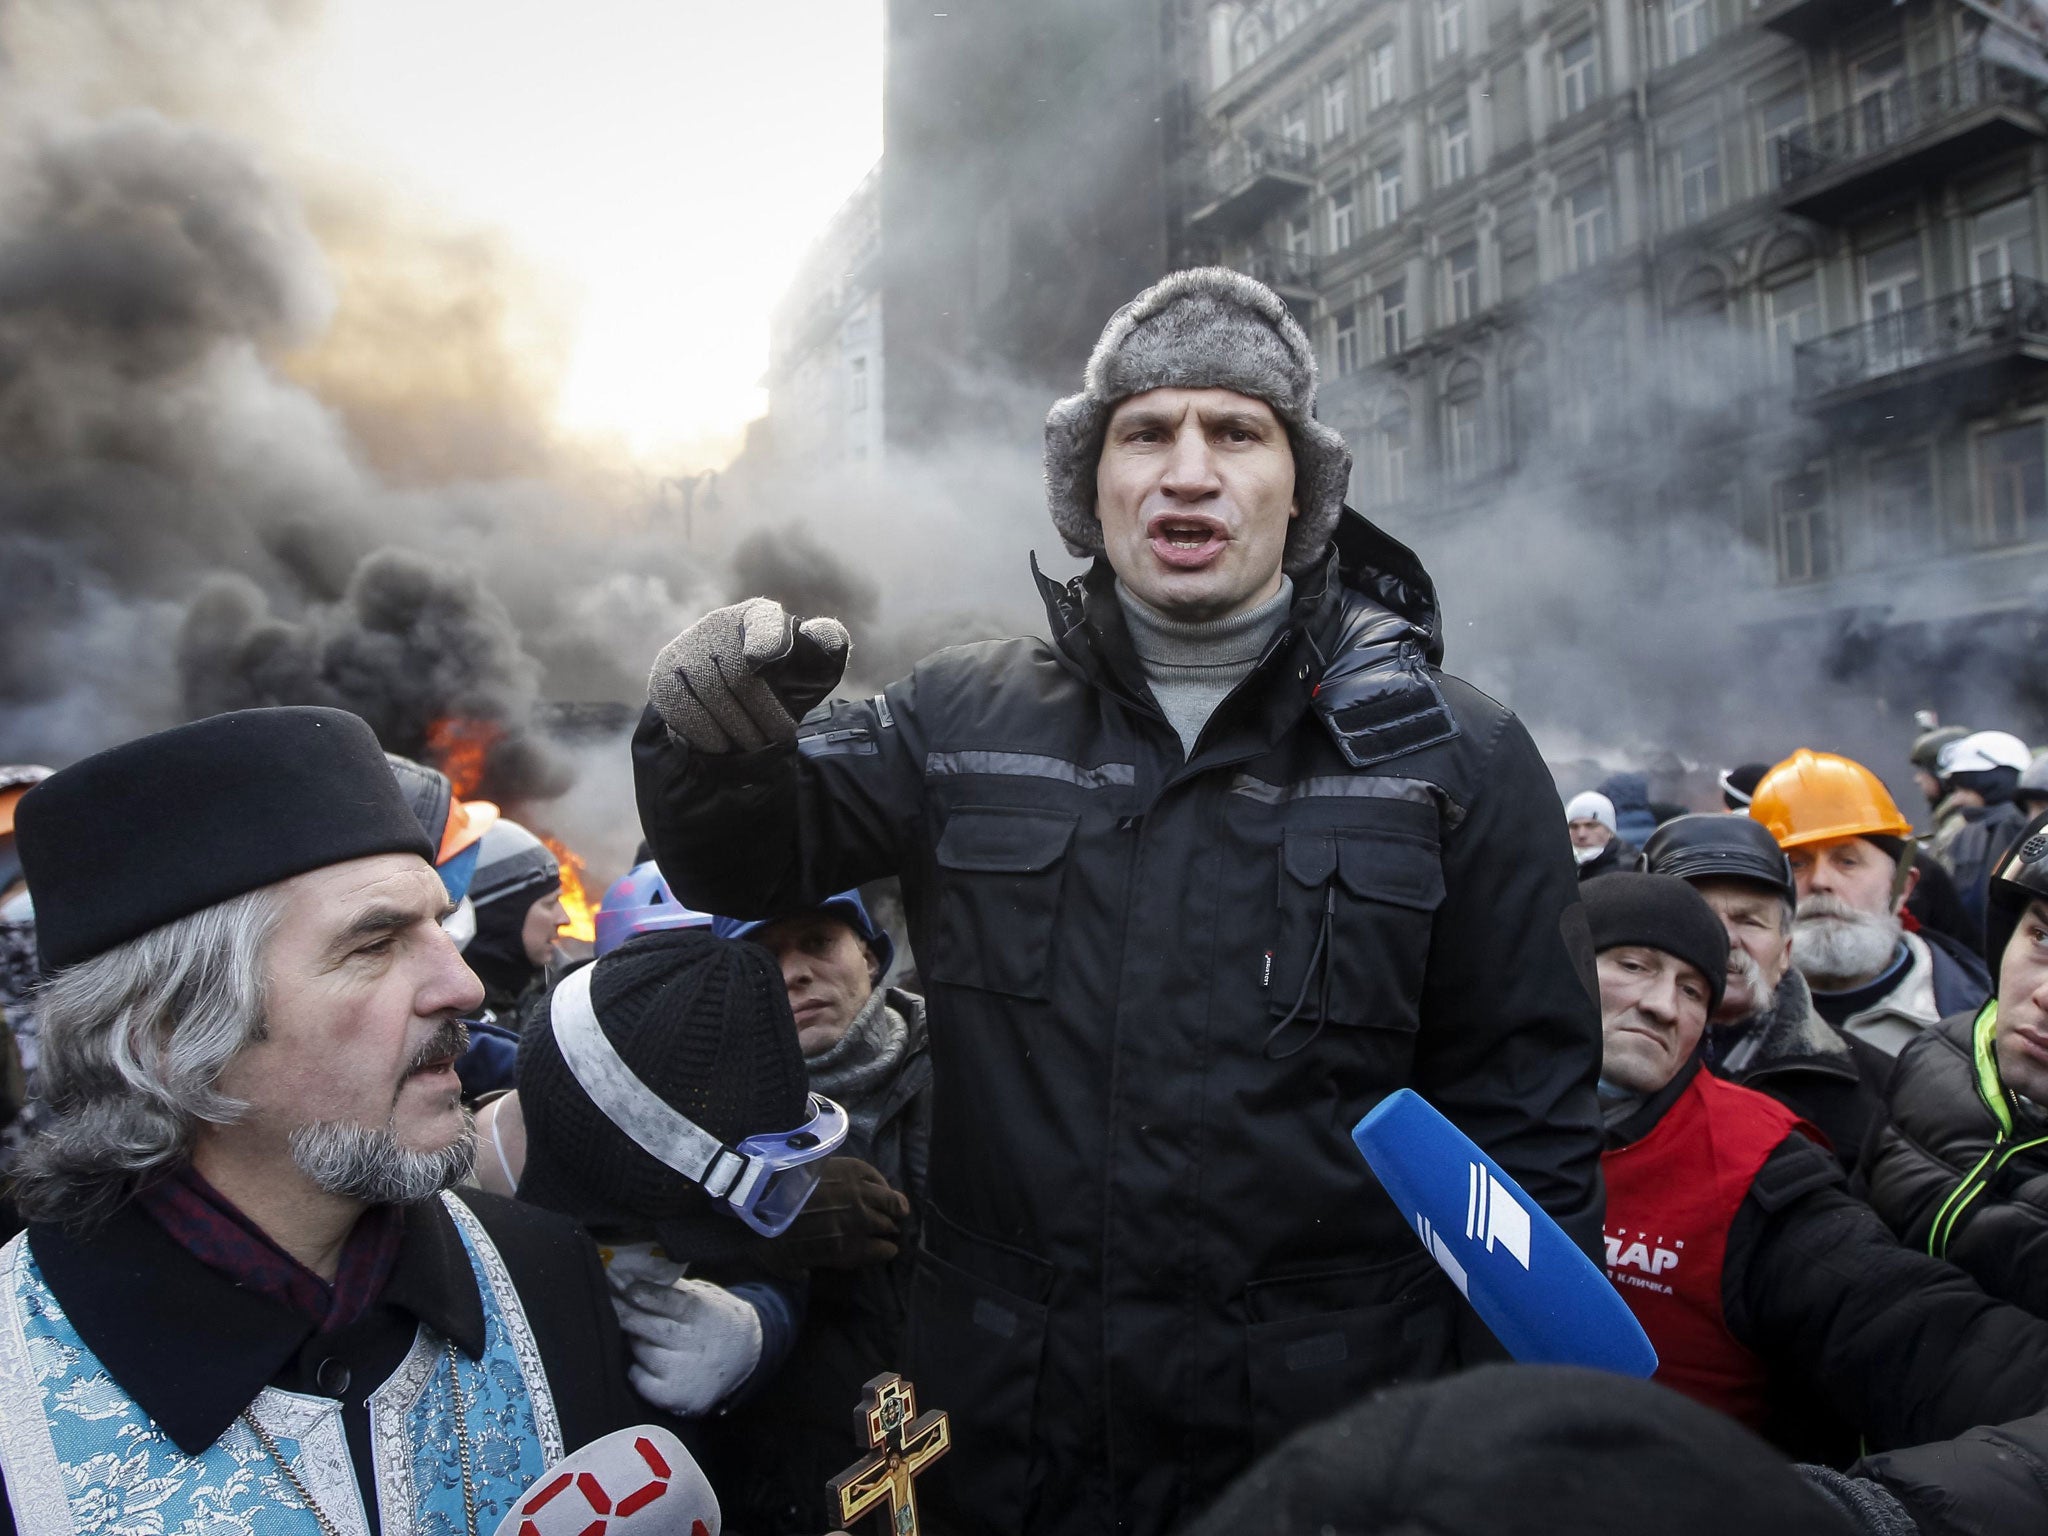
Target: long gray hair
column 133, row 1042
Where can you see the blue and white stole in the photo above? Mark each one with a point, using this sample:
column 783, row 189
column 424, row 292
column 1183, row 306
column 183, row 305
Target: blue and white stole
column 81, row 1456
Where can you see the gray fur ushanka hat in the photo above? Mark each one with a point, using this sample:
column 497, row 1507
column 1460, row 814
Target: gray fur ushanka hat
column 1205, row 328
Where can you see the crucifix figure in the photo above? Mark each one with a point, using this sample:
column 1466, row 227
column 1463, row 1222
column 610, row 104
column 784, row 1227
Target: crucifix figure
column 905, row 1441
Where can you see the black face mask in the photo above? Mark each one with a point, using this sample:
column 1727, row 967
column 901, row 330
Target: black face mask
column 498, row 952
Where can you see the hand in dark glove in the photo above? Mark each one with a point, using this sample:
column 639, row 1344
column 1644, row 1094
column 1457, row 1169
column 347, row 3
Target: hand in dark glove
column 741, row 677
column 853, row 1219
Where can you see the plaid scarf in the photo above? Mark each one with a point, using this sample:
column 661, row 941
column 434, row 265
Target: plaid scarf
column 207, row 1225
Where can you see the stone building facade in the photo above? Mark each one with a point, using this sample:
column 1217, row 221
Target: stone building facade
column 825, row 358
column 1768, row 267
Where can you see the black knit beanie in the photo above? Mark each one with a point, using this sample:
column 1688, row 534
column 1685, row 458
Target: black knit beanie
column 705, row 1023
column 1659, row 912
column 1523, row 1450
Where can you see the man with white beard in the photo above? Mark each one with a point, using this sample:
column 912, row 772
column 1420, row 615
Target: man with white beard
column 1873, row 977
column 243, row 1300
column 1766, row 1033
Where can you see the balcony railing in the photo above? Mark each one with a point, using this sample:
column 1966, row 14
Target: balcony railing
column 1889, row 119
column 1243, row 162
column 1282, row 271
column 2007, row 315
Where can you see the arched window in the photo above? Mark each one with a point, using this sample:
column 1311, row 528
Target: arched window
column 1464, row 428
column 1254, row 38
column 1528, row 398
column 1390, row 450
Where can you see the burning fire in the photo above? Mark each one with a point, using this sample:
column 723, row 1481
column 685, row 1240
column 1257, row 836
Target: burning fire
column 459, row 748
column 582, row 910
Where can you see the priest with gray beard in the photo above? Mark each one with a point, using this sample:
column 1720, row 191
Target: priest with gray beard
column 243, row 1290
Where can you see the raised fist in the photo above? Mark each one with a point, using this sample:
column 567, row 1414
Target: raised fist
column 741, row 677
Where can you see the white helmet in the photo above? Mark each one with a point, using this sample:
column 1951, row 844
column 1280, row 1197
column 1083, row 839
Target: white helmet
column 1983, row 751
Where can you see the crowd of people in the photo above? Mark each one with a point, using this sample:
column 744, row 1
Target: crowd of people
column 338, row 1200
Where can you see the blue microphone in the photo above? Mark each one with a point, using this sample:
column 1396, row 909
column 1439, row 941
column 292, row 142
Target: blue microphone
column 1545, row 1301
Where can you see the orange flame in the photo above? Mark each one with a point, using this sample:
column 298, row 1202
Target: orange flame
column 576, row 902
column 459, row 748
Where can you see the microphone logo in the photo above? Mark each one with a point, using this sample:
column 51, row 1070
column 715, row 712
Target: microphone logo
column 1495, row 1216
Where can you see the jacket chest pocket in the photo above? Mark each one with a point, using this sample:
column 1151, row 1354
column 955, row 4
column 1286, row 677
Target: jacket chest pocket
column 998, row 896
column 1355, row 910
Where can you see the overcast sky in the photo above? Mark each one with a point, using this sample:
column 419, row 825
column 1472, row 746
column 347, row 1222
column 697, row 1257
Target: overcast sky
column 666, row 160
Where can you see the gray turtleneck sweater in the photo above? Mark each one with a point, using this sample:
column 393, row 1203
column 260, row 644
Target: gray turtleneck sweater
column 1193, row 667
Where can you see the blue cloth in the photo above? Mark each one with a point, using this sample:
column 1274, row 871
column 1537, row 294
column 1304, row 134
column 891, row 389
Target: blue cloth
column 488, row 1065
column 104, row 1463
column 781, row 1306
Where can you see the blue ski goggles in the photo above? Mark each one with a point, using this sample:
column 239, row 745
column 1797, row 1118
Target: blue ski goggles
column 764, row 1181
column 771, row 1177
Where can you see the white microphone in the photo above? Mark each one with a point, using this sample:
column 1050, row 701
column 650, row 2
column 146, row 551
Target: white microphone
column 633, row 1482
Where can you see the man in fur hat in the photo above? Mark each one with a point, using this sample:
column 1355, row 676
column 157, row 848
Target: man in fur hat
column 1191, row 888
column 244, row 1300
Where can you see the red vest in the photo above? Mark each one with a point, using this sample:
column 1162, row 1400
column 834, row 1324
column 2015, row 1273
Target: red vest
column 1671, row 1198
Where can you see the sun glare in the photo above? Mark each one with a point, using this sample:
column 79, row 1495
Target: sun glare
column 664, row 161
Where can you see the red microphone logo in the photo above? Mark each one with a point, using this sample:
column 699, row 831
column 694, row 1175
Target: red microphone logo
column 605, row 1504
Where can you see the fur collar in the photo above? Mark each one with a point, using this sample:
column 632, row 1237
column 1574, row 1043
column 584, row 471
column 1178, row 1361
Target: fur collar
column 1789, row 1030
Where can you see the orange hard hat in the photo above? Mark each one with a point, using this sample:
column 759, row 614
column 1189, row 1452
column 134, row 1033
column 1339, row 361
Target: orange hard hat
column 1816, row 797
column 468, row 821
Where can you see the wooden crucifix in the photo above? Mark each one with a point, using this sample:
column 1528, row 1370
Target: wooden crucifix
column 905, row 1441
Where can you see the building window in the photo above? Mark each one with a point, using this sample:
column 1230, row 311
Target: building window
column 1779, row 121
column 2002, row 246
column 1461, row 283
column 1393, row 308
column 1454, row 139
column 857, row 384
column 1901, row 506
column 1689, row 27
column 1450, row 28
column 1252, row 41
column 1379, row 76
column 1386, row 192
column 1578, row 75
column 1336, row 109
column 1390, row 452
column 1461, row 424
column 1791, row 315
column 1294, row 127
column 1300, row 236
column 1799, row 508
column 1519, row 269
column 2012, row 486
column 1343, row 217
column 1288, row 15
column 1344, row 341
column 1528, row 401
column 1696, row 170
column 1589, row 227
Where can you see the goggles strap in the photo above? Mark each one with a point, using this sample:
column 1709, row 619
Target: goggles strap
column 648, row 1120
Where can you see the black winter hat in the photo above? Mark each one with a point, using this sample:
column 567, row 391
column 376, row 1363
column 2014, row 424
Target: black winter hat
column 1523, row 1450
column 1659, row 912
column 1710, row 847
column 705, row 1023
column 167, row 825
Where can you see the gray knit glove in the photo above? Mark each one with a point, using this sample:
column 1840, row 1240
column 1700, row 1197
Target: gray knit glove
column 741, row 677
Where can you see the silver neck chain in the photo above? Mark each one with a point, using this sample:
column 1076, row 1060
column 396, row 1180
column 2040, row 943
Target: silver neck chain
column 327, row 1526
